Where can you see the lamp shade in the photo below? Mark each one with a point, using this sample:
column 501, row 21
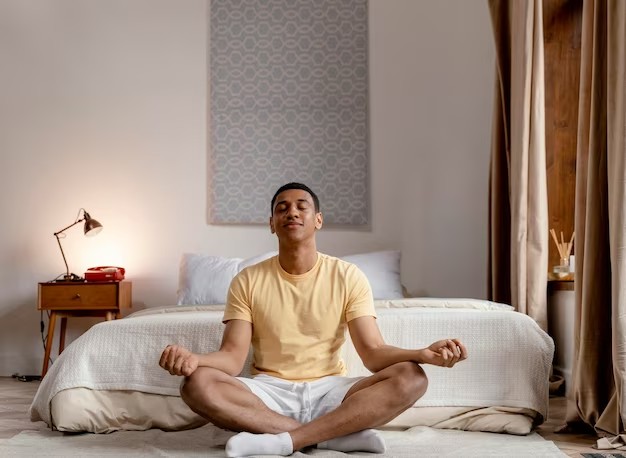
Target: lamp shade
column 92, row 227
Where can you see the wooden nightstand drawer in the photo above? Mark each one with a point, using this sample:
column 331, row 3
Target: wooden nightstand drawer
column 56, row 296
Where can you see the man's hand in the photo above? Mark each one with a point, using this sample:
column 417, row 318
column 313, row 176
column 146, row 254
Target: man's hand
column 178, row 360
column 444, row 353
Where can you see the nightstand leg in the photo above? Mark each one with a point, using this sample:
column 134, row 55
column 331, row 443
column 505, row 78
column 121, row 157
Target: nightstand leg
column 110, row 316
column 62, row 335
column 51, row 325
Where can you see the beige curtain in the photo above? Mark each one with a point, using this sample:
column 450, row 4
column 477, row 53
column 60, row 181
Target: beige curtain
column 597, row 398
column 518, row 211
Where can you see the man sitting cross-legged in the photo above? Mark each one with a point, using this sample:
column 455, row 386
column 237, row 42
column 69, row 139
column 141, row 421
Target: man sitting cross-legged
column 294, row 309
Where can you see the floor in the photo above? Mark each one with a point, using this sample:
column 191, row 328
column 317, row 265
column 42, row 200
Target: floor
column 16, row 396
column 570, row 444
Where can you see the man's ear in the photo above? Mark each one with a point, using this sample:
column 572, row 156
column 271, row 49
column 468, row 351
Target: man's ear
column 319, row 220
column 272, row 225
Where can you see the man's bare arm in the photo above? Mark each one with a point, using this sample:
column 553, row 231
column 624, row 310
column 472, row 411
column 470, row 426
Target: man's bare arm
column 377, row 355
column 230, row 358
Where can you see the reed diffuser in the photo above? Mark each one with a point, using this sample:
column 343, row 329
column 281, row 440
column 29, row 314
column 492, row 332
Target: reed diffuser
column 565, row 250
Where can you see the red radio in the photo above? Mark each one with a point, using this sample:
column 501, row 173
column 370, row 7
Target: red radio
column 105, row 273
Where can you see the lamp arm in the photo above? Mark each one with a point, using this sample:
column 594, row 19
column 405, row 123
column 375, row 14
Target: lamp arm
column 56, row 234
column 67, row 269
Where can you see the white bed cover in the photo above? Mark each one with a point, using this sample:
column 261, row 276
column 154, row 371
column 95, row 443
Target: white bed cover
column 508, row 365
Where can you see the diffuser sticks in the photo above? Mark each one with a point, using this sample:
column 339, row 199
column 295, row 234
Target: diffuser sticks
column 565, row 248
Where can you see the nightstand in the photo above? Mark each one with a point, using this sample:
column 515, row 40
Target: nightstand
column 561, row 311
column 67, row 299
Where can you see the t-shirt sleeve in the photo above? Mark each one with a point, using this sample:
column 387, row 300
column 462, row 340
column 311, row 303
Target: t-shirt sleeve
column 238, row 300
column 360, row 297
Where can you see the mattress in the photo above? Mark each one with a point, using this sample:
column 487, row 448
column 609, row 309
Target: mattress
column 109, row 377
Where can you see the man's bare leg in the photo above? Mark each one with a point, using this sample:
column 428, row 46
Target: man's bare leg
column 228, row 403
column 371, row 402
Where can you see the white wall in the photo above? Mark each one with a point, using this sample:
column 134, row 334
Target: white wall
column 103, row 105
column 432, row 67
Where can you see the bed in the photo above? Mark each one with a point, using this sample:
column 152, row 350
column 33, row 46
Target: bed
column 109, row 379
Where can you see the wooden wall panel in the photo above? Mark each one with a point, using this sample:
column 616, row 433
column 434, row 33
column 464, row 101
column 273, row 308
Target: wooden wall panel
column 562, row 21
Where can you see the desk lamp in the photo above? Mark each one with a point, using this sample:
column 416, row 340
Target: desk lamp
column 92, row 227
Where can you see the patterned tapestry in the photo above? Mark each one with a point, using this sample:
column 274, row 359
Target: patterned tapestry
column 288, row 102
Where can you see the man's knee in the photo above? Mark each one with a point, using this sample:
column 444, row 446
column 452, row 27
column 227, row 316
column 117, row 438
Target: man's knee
column 411, row 381
column 195, row 386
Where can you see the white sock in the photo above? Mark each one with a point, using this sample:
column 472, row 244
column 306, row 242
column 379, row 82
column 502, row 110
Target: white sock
column 367, row 440
column 246, row 444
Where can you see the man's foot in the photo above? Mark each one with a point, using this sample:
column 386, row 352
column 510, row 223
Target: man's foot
column 367, row 440
column 246, row 444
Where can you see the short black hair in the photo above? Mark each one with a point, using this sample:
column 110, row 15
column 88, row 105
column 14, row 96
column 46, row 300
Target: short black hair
column 294, row 185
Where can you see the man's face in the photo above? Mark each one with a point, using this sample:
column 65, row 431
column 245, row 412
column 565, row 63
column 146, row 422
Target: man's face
column 294, row 217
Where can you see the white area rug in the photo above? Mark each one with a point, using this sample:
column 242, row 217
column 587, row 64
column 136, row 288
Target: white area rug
column 209, row 441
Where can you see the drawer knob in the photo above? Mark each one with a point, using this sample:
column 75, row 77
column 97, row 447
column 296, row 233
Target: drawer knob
column 77, row 296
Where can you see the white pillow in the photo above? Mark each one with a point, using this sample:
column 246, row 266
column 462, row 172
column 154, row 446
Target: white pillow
column 205, row 279
column 382, row 269
column 256, row 259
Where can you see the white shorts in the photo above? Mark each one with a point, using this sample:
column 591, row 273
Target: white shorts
column 302, row 401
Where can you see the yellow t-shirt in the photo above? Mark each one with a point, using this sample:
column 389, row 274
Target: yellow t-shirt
column 299, row 321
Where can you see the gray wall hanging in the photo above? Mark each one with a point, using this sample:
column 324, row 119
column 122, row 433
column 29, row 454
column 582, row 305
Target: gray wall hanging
column 288, row 102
